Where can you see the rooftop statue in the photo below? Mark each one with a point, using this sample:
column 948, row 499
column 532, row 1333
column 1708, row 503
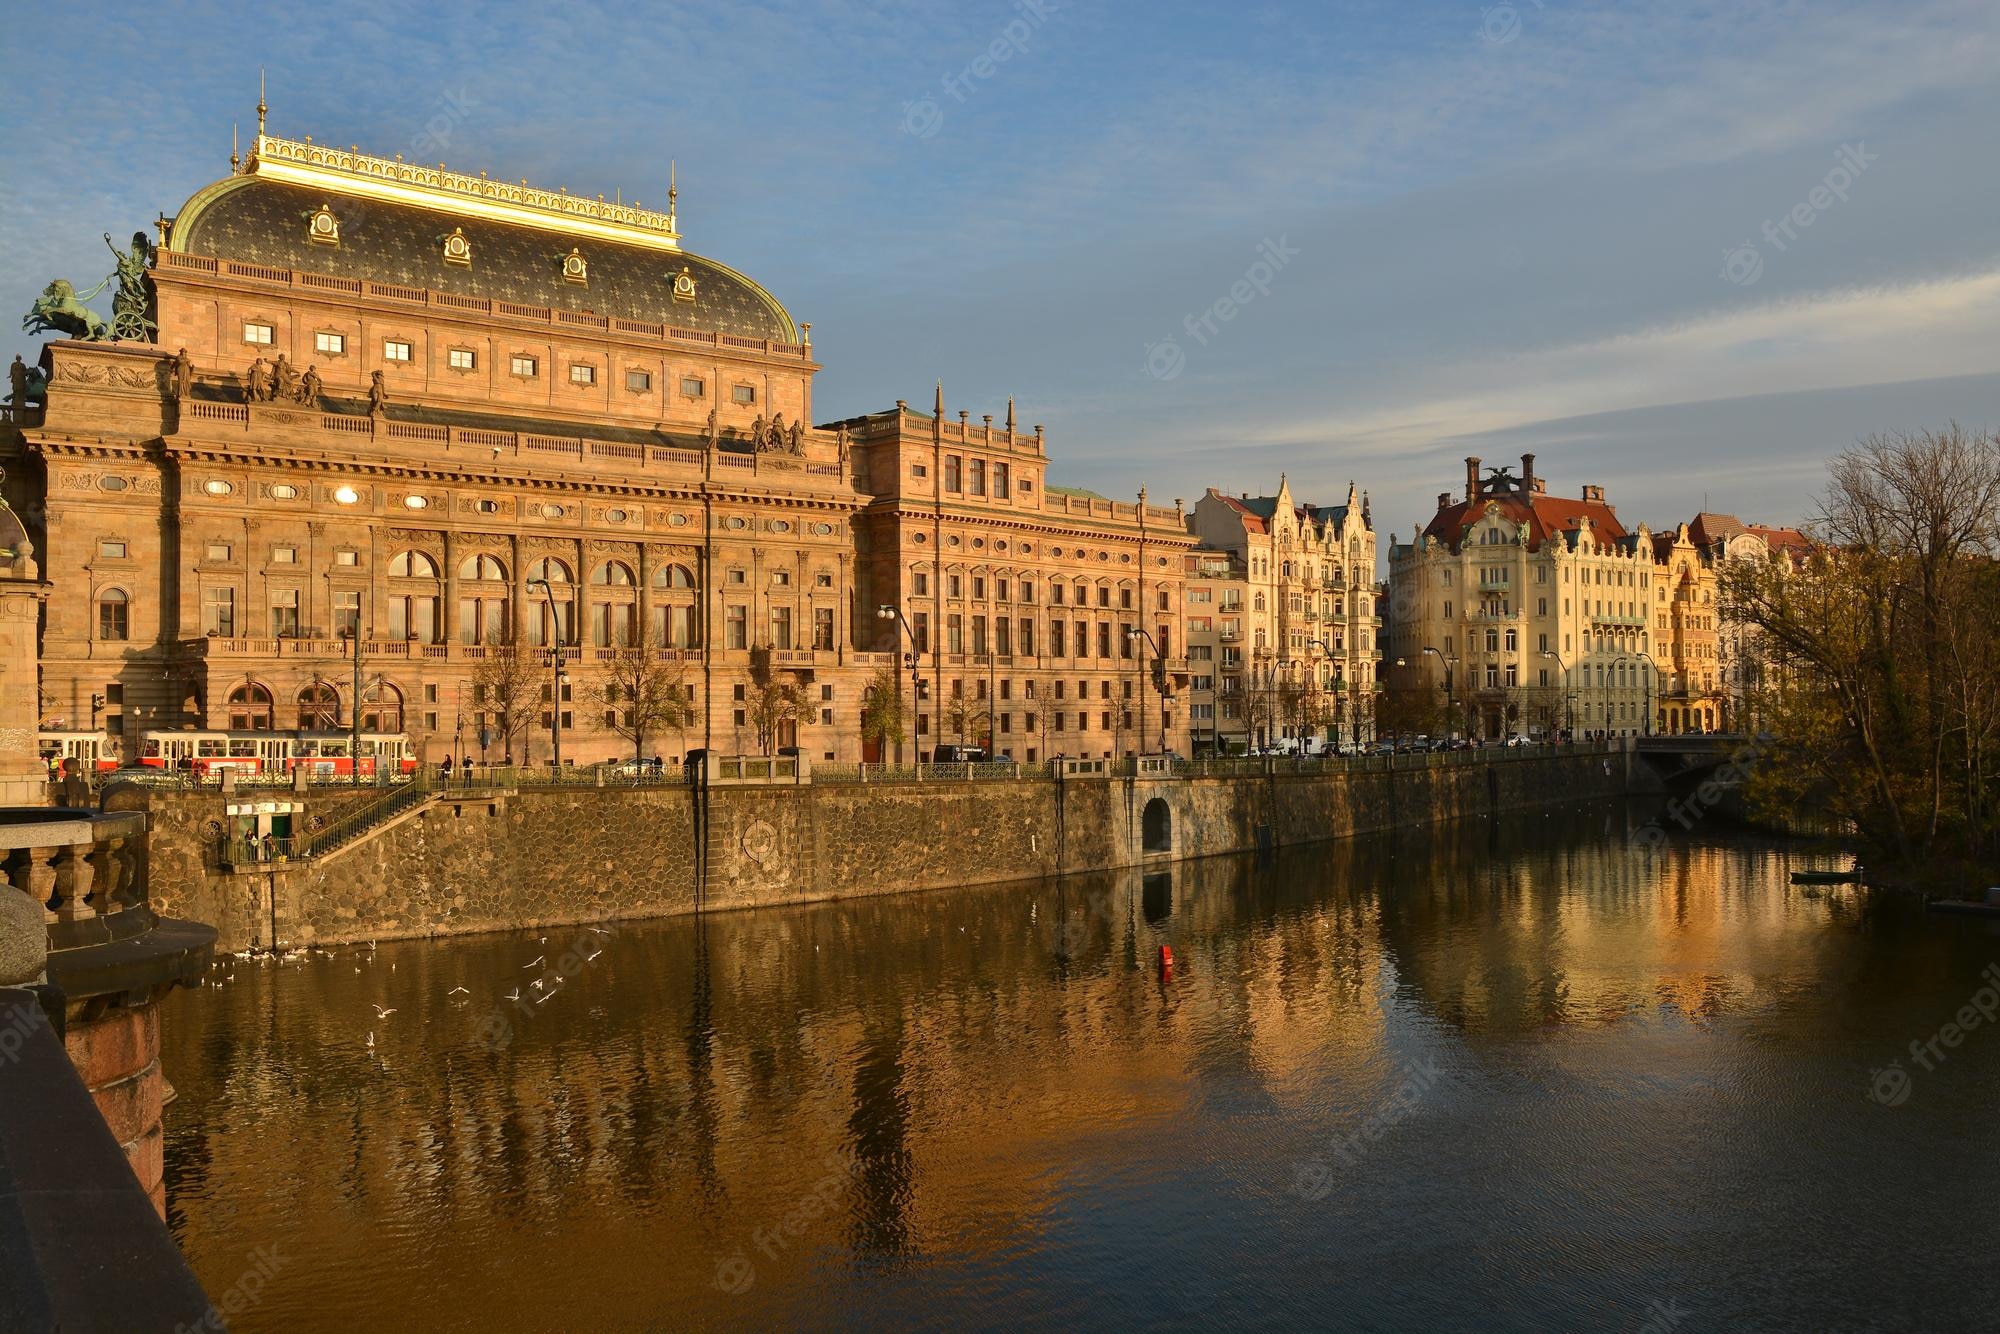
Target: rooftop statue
column 131, row 308
column 61, row 309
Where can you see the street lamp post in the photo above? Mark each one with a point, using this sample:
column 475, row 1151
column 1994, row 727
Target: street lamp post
column 889, row 612
column 1569, row 713
column 353, row 636
column 1138, row 634
column 555, row 672
column 1450, row 696
column 1327, row 649
column 1652, row 672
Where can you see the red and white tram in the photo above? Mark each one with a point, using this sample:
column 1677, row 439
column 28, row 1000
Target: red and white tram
column 90, row 750
column 277, row 752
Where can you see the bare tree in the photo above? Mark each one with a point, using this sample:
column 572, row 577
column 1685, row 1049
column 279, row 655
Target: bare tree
column 641, row 692
column 769, row 704
column 504, row 689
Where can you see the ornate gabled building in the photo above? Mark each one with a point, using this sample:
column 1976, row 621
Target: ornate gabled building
column 406, row 430
column 1531, row 612
column 1308, row 652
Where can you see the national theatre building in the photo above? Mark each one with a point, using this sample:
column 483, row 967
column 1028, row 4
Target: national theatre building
column 399, row 422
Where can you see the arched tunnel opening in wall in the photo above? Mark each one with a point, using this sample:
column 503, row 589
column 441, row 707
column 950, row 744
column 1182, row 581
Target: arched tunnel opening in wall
column 1156, row 828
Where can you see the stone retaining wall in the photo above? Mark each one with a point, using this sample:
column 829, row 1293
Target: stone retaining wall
column 550, row 856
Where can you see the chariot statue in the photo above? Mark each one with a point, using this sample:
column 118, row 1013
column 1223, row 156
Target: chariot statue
column 61, row 309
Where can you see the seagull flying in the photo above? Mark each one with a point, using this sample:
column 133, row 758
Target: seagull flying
column 458, row 991
column 535, row 962
column 381, row 1013
column 514, row 995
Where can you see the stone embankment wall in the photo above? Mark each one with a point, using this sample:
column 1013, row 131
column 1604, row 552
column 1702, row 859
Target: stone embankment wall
column 549, row 856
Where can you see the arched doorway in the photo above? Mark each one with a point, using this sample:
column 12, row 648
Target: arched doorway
column 1157, row 826
column 381, row 708
column 319, row 708
column 249, row 708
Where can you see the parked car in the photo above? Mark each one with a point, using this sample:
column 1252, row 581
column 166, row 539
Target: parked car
column 959, row 755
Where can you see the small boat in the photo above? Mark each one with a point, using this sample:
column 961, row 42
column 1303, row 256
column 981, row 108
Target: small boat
column 1852, row 877
column 1964, row 907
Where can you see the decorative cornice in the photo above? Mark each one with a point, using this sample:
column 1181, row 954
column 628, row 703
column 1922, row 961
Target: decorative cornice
column 397, row 181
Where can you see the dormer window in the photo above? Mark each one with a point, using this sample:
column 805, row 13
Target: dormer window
column 684, row 285
column 575, row 269
column 323, row 228
column 458, row 250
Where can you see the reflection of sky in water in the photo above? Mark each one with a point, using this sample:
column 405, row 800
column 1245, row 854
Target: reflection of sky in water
column 1447, row 1079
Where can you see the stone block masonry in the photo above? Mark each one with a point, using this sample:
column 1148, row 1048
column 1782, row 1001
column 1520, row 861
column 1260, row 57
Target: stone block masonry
column 535, row 857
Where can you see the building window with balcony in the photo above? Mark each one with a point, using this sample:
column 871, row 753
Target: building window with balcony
column 736, row 625
column 285, row 613
column 113, row 620
column 612, row 624
column 346, row 614
column 954, row 633
column 823, row 629
column 781, row 627
column 218, row 612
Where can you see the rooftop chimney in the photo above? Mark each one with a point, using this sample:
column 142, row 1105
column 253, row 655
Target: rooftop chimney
column 1528, row 473
column 1472, row 478
column 1444, row 500
column 1595, row 493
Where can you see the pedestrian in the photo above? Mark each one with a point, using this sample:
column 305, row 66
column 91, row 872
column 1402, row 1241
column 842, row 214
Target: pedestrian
column 269, row 848
column 445, row 768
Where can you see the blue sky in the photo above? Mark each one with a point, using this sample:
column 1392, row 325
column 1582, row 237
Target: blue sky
column 1503, row 227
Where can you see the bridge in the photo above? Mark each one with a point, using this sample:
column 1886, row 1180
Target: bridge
column 1692, row 757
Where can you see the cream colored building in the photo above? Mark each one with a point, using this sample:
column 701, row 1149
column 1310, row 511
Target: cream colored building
column 1303, row 608
column 1531, row 612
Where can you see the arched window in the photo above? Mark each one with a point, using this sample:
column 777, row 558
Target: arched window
column 614, row 573
column 249, row 708
column 551, row 570
column 381, row 708
column 482, row 567
column 113, row 615
column 412, row 565
column 672, row 576
column 319, row 708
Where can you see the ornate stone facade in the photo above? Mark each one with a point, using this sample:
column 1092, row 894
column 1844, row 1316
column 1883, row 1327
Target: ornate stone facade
column 352, row 437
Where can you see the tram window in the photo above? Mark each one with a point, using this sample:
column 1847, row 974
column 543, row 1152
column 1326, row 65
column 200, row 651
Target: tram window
column 152, row 748
column 242, row 749
column 336, row 748
column 208, row 747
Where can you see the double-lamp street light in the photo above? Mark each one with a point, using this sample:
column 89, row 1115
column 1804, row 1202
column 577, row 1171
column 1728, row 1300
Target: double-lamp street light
column 556, row 676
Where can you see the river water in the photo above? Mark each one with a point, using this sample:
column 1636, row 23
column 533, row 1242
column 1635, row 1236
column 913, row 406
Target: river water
column 1524, row 1074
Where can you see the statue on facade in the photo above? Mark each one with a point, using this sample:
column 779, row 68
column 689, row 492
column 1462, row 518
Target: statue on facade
column 798, row 443
column 183, row 375
column 258, row 382
column 61, row 309
column 131, row 308
column 378, row 394
column 757, row 433
column 287, row 378
column 309, row 386
column 713, row 435
column 17, row 383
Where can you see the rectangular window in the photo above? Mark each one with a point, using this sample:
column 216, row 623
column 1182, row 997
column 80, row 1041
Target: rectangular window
column 285, row 613
column 346, row 614
column 952, row 469
column 954, row 633
column 919, row 470
column 331, row 344
column 1000, row 481
column 261, row 334
column 392, row 350
column 920, row 629
column 218, row 612
column 111, row 550
column 692, row 386
column 781, row 578
column 1028, row 643
column 1103, row 639
column 284, row 555
column 737, row 621
column 346, row 558
column 112, row 620
column 1056, row 638
column 975, row 477
column 781, row 627
column 920, row 584
column 218, row 553
column 525, row 367
column 639, row 382
column 582, row 373
column 823, row 629
column 743, row 393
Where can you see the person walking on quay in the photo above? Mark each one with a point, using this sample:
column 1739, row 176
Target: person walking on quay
column 445, row 769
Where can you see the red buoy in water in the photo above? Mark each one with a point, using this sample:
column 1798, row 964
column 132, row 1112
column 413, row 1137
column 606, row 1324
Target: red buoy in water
column 1167, row 960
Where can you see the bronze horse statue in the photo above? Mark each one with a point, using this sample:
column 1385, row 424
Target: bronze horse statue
column 59, row 308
